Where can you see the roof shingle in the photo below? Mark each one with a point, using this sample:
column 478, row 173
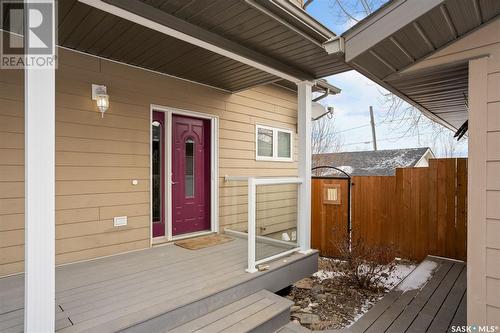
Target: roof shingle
column 370, row 163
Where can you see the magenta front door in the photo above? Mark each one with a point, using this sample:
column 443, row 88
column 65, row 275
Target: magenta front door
column 191, row 175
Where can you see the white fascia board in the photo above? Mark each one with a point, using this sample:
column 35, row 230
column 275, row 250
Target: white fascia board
column 426, row 156
column 132, row 17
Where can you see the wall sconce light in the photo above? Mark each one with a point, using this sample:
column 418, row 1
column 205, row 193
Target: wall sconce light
column 99, row 94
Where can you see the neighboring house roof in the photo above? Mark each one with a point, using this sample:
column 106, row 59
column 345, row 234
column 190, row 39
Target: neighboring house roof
column 371, row 163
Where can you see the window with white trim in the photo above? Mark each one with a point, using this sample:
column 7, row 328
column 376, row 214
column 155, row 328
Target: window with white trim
column 273, row 144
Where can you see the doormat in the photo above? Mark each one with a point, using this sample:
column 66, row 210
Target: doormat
column 203, row 242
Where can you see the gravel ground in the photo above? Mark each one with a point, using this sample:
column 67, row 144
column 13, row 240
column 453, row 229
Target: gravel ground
column 329, row 300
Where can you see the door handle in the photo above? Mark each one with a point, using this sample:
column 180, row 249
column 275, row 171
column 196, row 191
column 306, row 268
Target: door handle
column 173, row 183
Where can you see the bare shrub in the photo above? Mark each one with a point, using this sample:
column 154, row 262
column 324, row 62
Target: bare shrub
column 367, row 266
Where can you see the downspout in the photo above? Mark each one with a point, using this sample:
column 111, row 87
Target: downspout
column 320, row 97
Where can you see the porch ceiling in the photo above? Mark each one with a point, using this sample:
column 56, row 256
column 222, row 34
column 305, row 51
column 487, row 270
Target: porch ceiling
column 401, row 34
column 268, row 30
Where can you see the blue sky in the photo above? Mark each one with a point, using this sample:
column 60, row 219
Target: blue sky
column 358, row 93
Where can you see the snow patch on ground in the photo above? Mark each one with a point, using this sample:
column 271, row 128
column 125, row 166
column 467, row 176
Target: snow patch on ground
column 393, row 278
column 400, row 272
column 419, row 276
column 397, row 275
column 323, row 274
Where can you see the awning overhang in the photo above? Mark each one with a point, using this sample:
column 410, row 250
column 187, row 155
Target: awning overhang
column 228, row 45
column 386, row 45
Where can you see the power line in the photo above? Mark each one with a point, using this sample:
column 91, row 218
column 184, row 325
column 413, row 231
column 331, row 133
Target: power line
column 352, row 128
column 387, row 139
column 367, row 125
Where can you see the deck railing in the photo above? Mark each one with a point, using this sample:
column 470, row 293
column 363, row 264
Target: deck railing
column 284, row 247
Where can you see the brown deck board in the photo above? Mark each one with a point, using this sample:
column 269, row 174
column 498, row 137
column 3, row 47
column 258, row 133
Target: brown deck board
column 402, row 323
column 387, row 318
column 375, row 312
column 434, row 307
column 431, row 308
column 460, row 317
column 451, row 304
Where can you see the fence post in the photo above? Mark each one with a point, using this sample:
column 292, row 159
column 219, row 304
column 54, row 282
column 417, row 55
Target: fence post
column 251, row 225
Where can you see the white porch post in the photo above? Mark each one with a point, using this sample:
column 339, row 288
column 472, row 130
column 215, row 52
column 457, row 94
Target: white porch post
column 39, row 108
column 305, row 164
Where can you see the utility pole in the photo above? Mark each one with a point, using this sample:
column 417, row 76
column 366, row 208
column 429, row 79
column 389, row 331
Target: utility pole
column 372, row 121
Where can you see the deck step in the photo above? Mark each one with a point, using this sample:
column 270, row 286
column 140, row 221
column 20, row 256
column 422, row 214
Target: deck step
column 262, row 311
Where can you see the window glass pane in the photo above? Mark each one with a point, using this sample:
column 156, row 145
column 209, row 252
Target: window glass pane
column 157, row 195
column 189, row 168
column 265, row 142
column 331, row 194
column 284, row 144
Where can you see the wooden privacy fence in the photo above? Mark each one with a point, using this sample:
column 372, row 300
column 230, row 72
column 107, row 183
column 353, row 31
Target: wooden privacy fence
column 419, row 211
column 329, row 217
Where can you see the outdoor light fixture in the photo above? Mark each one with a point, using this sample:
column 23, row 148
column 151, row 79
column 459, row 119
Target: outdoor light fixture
column 99, row 94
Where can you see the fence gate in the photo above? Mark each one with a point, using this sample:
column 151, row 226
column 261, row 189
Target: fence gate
column 330, row 213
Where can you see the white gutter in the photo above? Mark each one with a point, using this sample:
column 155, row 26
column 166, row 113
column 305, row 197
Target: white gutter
column 280, row 20
column 335, row 46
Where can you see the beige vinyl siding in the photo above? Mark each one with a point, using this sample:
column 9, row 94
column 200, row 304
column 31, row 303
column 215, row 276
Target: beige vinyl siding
column 11, row 172
column 96, row 159
column 482, row 49
column 484, row 284
column 276, row 209
column 491, row 171
column 493, row 188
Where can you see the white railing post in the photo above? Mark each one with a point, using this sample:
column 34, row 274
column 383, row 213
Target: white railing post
column 251, row 225
column 39, row 164
column 304, row 99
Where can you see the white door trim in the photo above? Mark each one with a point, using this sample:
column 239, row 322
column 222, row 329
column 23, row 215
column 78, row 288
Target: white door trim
column 214, row 166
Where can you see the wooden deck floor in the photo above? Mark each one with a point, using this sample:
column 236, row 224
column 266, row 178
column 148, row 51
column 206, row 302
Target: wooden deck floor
column 434, row 307
column 143, row 287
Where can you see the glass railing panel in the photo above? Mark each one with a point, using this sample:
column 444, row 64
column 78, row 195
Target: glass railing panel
column 276, row 219
column 233, row 207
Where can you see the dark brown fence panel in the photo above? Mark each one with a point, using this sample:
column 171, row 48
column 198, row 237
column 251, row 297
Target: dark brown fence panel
column 461, row 222
column 329, row 219
column 373, row 209
column 420, row 211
